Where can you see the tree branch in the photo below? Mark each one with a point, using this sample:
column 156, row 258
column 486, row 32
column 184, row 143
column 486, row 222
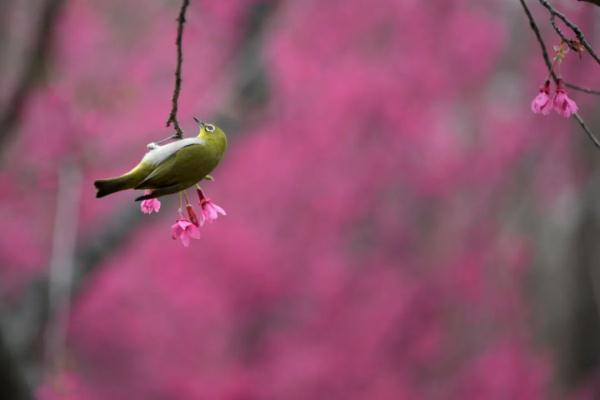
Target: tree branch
column 178, row 42
column 582, row 89
column 30, row 76
column 62, row 257
column 548, row 63
column 574, row 28
column 546, row 56
column 538, row 36
column 595, row 2
column 587, row 130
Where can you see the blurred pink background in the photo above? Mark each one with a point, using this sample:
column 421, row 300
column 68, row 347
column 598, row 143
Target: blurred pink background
column 400, row 225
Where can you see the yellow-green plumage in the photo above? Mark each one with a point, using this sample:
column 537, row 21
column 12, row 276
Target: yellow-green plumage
column 173, row 167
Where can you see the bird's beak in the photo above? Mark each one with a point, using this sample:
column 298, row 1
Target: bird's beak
column 200, row 123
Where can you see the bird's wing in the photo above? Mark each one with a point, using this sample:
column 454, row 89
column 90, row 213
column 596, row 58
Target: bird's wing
column 175, row 168
column 159, row 171
column 159, row 154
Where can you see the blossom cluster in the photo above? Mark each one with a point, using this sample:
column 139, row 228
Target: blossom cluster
column 544, row 102
column 186, row 227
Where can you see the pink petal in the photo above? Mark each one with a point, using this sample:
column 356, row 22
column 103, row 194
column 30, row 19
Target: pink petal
column 185, row 239
column 175, row 231
column 179, row 227
column 183, row 224
column 571, row 105
column 193, row 231
column 563, row 104
column 150, row 205
column 219, row 209
column 210, row 210
column 546, row 108
column 144, row 207
column 541, row 104
column 156, row 205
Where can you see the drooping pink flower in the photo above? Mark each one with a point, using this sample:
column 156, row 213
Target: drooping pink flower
column 210, row 211
column 564, row 105
column 149, row 206
column 183, row 230
column 542, row 103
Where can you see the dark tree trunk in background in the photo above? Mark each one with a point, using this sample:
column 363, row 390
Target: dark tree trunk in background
column 12, row 382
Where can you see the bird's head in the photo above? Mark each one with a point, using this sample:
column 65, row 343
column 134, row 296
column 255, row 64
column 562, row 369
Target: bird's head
column 212, row 135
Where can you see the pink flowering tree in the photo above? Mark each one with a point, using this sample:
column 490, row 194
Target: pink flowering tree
column 398, row 226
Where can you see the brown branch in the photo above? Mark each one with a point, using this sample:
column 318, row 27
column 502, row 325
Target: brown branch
column 546, row 56
column 538, row 36
column 13, row 381
column 574, row 28
column 595, row 2
column 62, row 264
column 31, row 74
column 561, row 34
column 178, row 42
column 587, row 130
column 582, row 89
column 548, row 63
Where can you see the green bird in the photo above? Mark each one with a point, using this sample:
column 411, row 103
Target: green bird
column 172, row 167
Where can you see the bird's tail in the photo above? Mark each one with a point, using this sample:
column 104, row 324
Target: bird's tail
column 109, row 186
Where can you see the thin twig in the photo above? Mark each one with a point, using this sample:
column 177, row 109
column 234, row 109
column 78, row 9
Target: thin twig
column 540, row 40
column 546, row 56
column 574, row 28
column 173, row 115
column 582, row 89
column 560, row 33
column 548, row 63
column 587, row 130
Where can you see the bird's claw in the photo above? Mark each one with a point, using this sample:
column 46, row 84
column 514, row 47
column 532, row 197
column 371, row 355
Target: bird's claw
column 209, row 178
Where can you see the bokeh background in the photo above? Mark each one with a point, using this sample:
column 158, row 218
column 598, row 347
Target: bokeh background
column 400, row 225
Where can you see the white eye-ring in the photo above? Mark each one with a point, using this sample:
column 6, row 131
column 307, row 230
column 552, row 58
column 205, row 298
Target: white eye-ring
column 209, row 128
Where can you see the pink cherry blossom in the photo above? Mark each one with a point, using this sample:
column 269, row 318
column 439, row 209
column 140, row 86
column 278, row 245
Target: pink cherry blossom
column 542, row 103
column 564, row 105
column 210, row 211
column 183, row 230
column 149, row 206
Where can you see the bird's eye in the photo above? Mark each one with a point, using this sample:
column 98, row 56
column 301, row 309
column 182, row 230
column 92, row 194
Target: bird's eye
column 209, row 128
